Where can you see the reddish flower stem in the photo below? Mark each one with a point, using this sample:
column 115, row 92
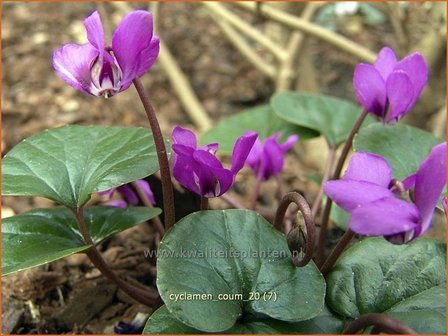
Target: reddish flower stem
column 255, row 194
column 204, row 203
column 167, row 186
column 382, row 323
column 338, row 249
column 327, row 171
column 336, row 174
column 95, row 257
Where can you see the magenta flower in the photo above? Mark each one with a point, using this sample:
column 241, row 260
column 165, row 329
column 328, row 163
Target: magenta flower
column 99, row 70
column 128, row 195
column 365, row 192
column 198, row 170
column 388, row 88
column 267, row 159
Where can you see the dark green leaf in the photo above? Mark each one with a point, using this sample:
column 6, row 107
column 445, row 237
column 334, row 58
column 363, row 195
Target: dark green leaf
column 377, row 276
column 39, row 236
column 163, row 322
column 67, row 164
column 260, row 119
column 403, row 146
column 233, row 252
column 332, row 117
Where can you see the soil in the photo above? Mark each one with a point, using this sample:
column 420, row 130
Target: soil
column 70, row 295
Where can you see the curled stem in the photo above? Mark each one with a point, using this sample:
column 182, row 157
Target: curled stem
column 168, row 197
column 381, row 323
column 304, row 208
column 95, row 257
column 336, row 174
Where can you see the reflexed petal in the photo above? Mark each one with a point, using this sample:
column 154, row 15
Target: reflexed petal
column 184, row 137
column 148, row 56
column 128, row 194
column 108, row 192
column 370, row 89
column 117, row 203
column 369, row 167
column 272, row 159
column 147, row 190
column 290, row 141
column 429, row 183
column 211, row 148
column 350, row 195
column 385, row 62
column 384, row 217
column 254, row 157
column 131, row 42
column 72, row 63
column 409, row 182
column 214, row 180
column 241, row 150
column 185, row 168
column 416, row 68
column 400, row 92
column 95, row 31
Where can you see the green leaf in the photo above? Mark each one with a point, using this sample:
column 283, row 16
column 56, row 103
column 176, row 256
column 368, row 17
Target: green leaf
column 340, row 217
column 260, row 119
column 232, row 257
column 332, row 117
column 39, row 236
column 163, row 322
column 399, row 280
column 69, row 163
column 403, row 146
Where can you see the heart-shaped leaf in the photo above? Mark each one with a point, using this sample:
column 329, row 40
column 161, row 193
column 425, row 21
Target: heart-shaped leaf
column 39, row 236
column 260, row 119
column 69, row 163
column 399, row 280
column 233, row 263
column 332, row 117
column 163, row 322
column 403, row 146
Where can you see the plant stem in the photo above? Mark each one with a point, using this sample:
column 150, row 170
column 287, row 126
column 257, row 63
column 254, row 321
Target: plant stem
column 95, row 257
column 204, row 203
column 336, row 174
column 381, row 322
column 232, row 201
column 168, row 198
column 156, row 220
column 328, row 166
column 253, row 201
column 338, row 249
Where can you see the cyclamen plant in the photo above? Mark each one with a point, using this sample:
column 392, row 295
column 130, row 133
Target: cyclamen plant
column 232, row 271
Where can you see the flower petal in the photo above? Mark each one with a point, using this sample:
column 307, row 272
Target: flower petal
column 117, row 203
column 385, row 62
column 254, row 156
column 416, row 68
column 290, row 141
column 144, row 185
column 369, row 167
column 128, row 194
column 370, row 89
column 386, row 216
column 400, row 93
column 185, row 168
column 214, row 180
column 241, row 150
column 95, row 31
column 131, row 43
column 429, row 182
column 350, row 195
column 72, row 63
column 272, row 160
column 184, row 137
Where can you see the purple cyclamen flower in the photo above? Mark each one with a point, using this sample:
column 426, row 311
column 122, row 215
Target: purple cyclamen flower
column 388, row 88
column 365, row 192
column 199, row 171
column 128, row 195
column 267, row 159
column 99, row 70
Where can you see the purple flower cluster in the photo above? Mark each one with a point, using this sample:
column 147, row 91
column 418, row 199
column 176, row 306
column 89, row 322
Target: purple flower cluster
column 388, row 88
column 99, row 70
column 376, row 209
column 198, row 169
